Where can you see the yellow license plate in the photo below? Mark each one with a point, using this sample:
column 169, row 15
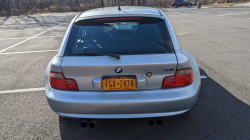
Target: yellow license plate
column 127, row 82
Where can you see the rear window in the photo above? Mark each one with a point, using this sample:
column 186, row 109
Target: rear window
column 124, row 36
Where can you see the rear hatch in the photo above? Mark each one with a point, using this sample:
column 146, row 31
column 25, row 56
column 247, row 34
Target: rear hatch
column 143, row 44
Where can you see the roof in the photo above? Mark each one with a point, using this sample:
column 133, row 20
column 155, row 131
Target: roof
column 131, row 11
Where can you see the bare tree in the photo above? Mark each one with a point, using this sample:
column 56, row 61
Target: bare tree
column 132, row 2
column 17, row 7
column 102, row 3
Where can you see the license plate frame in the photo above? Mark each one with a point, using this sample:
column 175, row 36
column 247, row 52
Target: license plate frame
column 119, row 77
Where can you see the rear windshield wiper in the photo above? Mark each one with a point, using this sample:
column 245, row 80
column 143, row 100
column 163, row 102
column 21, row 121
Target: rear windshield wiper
column 117, row 56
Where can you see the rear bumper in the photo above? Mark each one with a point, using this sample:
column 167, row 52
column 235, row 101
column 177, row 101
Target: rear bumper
column 122, row 116
column 133, row 104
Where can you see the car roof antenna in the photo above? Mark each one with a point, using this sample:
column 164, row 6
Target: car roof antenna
column 119, row 8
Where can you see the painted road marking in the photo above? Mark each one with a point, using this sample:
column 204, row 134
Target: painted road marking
column 31, row 52
column 247, row 18
column 21, row 90
column 1, row 30
column 203, row 77
column 32, row 37
column 182, row 33
column 227, row 15
column 29, row 37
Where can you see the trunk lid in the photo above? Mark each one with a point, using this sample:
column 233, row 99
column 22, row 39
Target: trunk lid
column 84, row 69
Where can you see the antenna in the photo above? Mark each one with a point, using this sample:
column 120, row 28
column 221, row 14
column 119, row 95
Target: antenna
column 119, row 8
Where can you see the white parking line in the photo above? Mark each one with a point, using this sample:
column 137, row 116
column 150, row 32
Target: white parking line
column 29, row 37
column 32, row 37
column 21, row 90
column 31, row 30
column 227, row 14
column 30, row 52
column 22, row 30
column 247, row 18
column 203, row 77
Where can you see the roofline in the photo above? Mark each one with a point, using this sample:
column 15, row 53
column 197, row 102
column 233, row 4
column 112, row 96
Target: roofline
column 116, row 15
column 120, row 15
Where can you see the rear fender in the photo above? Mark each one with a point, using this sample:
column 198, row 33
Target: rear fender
column 186, row 59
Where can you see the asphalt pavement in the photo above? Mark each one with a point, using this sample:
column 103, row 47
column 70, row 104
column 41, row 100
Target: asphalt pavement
column 243, row 4
column 219, row 39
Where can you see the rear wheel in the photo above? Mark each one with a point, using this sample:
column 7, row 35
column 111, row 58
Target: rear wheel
column 175, row 6
column 189, row 5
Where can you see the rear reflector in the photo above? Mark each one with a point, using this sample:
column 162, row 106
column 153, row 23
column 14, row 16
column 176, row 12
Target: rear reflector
column 104, row 19
column 58, row 81
column 183, row 77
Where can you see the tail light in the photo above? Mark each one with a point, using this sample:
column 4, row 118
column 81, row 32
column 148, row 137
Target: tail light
column 183, row 77
column 58, row 81
column 131, row 18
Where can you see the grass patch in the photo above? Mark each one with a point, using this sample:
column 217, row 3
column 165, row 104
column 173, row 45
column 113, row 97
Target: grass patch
column 222, row 4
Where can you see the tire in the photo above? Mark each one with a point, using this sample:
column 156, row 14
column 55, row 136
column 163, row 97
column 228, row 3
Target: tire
column 175, row 6
column 189, row 5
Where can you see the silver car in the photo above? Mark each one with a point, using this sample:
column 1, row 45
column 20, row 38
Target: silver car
column 124, row 63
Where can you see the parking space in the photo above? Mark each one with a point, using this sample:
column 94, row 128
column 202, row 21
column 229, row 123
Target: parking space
column 219, row 43
column 27, row 116
column 41, row 43
column 5, row 43
column 18, row 33
column 21, row 71
column 25, row 52
column 55, row 32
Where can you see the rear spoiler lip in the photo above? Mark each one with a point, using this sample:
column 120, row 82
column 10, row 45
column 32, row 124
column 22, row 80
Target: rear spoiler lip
column 116, row 16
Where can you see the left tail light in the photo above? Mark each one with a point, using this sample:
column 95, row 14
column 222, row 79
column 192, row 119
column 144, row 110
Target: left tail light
column 183, row 77
column 58, row 81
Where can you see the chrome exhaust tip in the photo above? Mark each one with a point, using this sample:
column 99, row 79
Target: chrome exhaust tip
column 84, row 123
column 159, row 121
column 92, row 123
column 151, row 122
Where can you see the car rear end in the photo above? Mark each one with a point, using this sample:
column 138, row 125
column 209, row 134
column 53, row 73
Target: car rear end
column 147, row 80
column 173, row 3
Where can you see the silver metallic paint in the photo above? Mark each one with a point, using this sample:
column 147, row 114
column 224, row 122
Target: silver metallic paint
column 127, row 11
column 125, row 102
column 56, row 64
column 121, row 116
column 84, row 68
column 145, row 102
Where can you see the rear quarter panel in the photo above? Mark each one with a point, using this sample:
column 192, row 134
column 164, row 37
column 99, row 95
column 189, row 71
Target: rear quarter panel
column 192, row 61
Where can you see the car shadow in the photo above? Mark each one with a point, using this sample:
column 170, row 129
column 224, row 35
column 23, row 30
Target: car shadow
column 217, row 115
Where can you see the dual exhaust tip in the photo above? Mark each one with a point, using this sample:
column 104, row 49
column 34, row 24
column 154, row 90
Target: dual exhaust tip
column 90, row 123
column 158, row 121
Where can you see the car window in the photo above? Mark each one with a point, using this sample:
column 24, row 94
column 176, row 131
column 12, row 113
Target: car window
column 116, row 35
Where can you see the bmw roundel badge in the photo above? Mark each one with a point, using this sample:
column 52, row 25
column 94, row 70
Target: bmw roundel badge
column 118, row 69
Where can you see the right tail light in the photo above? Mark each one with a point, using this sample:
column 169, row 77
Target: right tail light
column 183, row 77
